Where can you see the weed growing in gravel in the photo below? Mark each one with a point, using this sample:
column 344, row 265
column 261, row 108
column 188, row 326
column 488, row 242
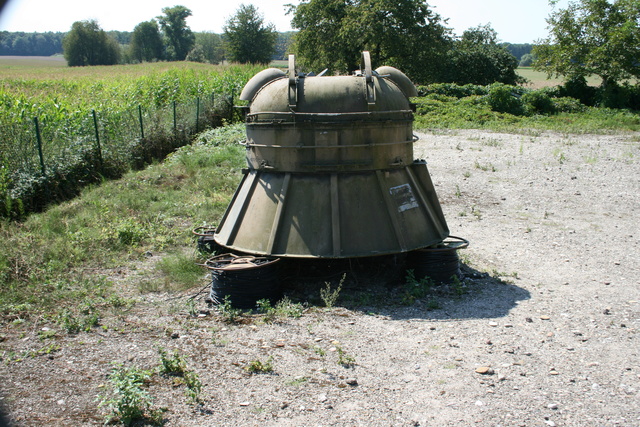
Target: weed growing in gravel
column 259, row 367
column 415, row 288
column 345, row 359
column 287, row 308
column 319, row 351
column 264, row 307
column 127, row 400
column 172, row 365
column 298, row 381
column 487, row 167
column 194, row 386
column 228, row 312
column 117, row 301
column 284, row 308
column 330, row 296
column 73, row 324
column 457, row 285
column 176, row 366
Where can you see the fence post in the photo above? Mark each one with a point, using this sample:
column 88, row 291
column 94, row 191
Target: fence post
column 95, row 126
column 233, row 94
column 197, row 113
column 175, row 121
column 140, row 117
column 39, row 141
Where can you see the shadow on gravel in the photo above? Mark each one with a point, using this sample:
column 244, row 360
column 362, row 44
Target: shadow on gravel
column 383, row 286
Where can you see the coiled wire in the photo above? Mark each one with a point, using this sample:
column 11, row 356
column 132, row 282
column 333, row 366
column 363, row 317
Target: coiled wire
column 244, row 283
column 440, row 263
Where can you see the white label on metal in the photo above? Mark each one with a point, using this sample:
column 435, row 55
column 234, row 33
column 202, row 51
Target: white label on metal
column 404, row 197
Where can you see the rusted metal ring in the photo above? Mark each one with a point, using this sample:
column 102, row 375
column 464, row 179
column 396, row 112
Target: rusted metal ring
column 460, row 243
column 234, row 262
column 204, row 231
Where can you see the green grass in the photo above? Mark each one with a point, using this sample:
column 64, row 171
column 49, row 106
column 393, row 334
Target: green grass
column 474, row 112
column 54, row 256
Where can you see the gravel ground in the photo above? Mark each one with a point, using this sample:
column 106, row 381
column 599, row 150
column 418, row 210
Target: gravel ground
column 546, row 332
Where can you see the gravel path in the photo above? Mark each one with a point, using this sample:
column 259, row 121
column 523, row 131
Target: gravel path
column 546, row 333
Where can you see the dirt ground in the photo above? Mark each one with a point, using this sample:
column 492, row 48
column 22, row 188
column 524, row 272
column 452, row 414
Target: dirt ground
column 545, row 334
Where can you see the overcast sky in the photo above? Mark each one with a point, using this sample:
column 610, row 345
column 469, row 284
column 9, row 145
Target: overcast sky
column 516, row 21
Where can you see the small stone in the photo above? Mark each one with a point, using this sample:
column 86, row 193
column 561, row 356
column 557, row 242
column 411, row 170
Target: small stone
column 245, row 403
column 175, row 335
column 550, row 423
column 553, row 406
column 529, row 320
column 494, row 324
column 322, row 398
column 484, row 370
column 606, row 311
column 352, row 382
column 554, row 372
column 60, row 402
column 544, row 317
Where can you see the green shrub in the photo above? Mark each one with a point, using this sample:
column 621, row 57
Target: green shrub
column 578, row 88
column 537, row 102
column 568, row 105
column 452, row 89
column 128, row 401
column 505, row 99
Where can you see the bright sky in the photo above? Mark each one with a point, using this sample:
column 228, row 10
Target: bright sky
column 516, row 21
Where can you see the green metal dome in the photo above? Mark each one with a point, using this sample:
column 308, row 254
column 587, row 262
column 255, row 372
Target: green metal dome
column 331, row 170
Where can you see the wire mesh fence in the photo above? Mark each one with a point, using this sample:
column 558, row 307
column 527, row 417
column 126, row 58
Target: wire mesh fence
column 46, row 159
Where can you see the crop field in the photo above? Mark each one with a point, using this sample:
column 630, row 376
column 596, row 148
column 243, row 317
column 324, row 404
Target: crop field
column 539, row 79
column 56, row 120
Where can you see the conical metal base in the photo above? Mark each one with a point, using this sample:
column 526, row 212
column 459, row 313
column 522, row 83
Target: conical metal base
column 333, row 215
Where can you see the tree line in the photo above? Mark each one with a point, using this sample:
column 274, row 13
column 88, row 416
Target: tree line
column 588, row 37
column 21, row 43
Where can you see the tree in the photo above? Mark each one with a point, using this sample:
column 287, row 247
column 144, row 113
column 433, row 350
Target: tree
column 402, row 33
column 180, row 38
column 592, row 37
column 246, row 37
column 146, row 42
column 88, row 44
column 526, row 60
column 210, row 45
column 283, row 45
column 477, row 58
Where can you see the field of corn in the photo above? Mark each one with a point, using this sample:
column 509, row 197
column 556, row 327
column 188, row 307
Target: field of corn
column 61, row 127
